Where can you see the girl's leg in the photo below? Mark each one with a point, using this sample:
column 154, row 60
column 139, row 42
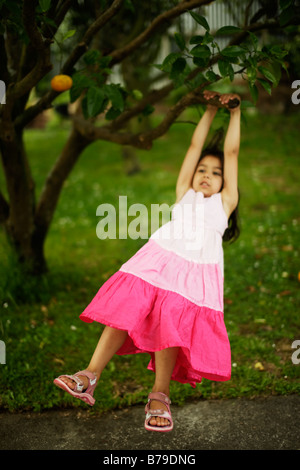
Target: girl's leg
column 165, row 361
column 110, row 341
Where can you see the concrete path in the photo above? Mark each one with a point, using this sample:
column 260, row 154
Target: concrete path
column 260, row 424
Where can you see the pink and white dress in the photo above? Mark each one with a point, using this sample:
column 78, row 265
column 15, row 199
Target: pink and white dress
column 170, row 293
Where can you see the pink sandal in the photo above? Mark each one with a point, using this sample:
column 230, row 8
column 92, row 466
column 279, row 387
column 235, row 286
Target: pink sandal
column 87, row 394
column 160, row 413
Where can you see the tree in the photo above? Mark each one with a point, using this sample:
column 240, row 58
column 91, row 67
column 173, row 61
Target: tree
column 27, row 34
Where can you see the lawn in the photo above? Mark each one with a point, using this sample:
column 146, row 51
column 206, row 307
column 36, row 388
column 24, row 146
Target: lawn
column 39, row 319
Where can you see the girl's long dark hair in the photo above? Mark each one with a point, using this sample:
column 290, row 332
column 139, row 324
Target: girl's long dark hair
column 233, row 230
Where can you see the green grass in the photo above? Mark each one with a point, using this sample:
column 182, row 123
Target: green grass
column 39, row 318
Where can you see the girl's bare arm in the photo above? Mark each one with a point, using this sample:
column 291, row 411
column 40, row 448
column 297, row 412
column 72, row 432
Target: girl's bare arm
column 231, row 153
column 185, row 177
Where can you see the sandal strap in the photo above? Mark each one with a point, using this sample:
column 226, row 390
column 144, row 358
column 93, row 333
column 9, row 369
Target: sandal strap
column 92, row 380
column 79, row 383
column 159, row 396
column 162, row 398
column 158, row 413
column 90, row 375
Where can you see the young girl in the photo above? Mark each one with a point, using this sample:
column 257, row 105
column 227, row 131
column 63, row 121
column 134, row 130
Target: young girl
column 167, row 300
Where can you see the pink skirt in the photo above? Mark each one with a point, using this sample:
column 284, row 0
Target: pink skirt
column 161, row 317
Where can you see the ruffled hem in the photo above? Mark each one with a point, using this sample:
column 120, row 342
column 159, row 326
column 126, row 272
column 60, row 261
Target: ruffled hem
column 156, row 319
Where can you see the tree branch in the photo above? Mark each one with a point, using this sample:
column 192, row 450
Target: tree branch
column 144, row 140
column 56, row 13
column 45, row 102
column 28, row 15
column 4, row 74
column 4, row 209
column 43, row 66
column 119, row 54
column 156, row 95
column 93, row 29
column 54, row 183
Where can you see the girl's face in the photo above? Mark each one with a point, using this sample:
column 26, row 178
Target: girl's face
column 208, row 177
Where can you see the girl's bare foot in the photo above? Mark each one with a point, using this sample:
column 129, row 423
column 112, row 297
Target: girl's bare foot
column 72, row 384
column 157, row 420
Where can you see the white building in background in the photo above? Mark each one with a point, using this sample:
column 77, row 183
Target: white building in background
column 217, row 14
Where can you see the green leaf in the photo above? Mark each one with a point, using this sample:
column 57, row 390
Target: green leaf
column 200, row 62
column 278, row 52
column 148, row 110
column 114, row 94
column 80, row 83
column 180, row 41
column 69, row 34
column 212, row 76
column 254, row 39
column 251, row 73
column 283, row 65
column 285, row 3
column 137, row 94
column 129, row 6
column 200, row 20
column 254, row 92
column 177, row 67
column 223, row 67
column 232, row 51
column 267, row 73
column 196, row 39
column 228, row 30
column 226, row 69
column 104, row 62
column 266, row 85
column 276, row 67
column 197, row 81
column 45, row 5
column 201, row 51
column 95, row 99
column 286, row 15
column 112, row 113
column 166, row 66
column 208, row 38
column 92, row 57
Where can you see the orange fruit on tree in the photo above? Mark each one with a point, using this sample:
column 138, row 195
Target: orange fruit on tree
column 61, row 83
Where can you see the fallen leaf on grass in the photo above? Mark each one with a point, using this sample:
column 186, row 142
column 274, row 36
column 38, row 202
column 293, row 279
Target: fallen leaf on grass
column 284, row 292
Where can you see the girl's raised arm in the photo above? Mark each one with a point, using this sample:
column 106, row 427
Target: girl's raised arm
column 188, row 167
column 231, row 151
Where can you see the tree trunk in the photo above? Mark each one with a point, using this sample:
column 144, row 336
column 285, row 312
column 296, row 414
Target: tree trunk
column 19, row 225
column 46, row 206
column 28, row 223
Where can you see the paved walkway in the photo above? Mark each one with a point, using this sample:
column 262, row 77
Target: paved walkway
column 261, row 424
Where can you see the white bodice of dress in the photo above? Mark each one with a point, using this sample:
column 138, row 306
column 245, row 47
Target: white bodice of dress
column 196, row 228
